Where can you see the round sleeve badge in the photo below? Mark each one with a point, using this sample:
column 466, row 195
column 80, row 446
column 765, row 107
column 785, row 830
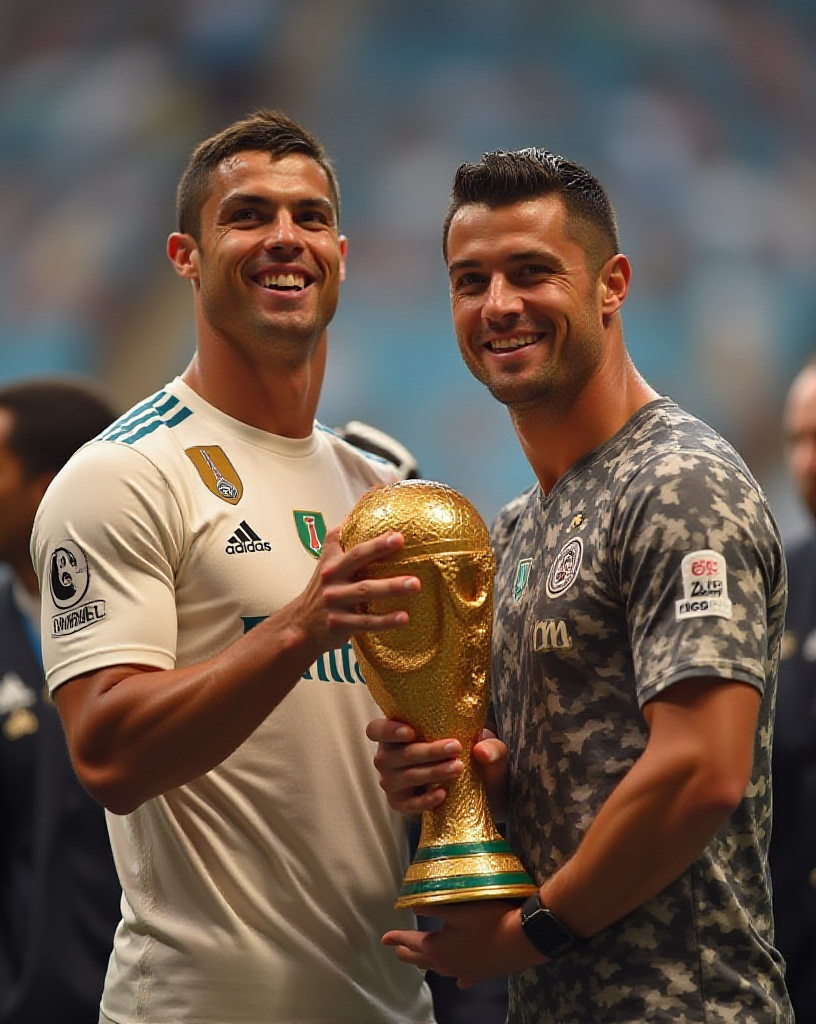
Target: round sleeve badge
column 68, row 574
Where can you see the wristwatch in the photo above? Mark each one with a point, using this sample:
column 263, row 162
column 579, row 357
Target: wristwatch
column 549, row 935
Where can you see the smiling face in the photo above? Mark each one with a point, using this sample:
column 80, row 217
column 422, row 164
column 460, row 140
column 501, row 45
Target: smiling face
column 270, row 260
column 527, row 310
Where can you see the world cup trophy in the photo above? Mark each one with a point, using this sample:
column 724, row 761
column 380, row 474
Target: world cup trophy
column 433, row 675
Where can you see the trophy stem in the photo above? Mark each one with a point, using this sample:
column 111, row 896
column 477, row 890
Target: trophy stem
column 461, row 855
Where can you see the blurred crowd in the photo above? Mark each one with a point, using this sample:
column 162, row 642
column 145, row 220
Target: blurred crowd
column 700, row 117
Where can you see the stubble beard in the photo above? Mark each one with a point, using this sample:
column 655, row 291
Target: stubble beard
column 554, row 386
column 289, row 340
column 292, row 343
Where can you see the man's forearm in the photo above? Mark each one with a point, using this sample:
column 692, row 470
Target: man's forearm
column 135, row 733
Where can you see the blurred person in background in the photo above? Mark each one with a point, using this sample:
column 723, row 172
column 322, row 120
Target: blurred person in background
column 640, row 600
column 59, row 894
column 793, row 840
column 198, row 610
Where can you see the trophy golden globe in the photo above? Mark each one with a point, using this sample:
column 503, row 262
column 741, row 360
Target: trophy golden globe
column 433, row 674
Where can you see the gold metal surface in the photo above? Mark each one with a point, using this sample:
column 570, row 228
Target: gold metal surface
column 448, row 867
column 433, row 674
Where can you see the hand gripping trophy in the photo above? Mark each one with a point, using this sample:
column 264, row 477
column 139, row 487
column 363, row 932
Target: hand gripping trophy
column 433, row 674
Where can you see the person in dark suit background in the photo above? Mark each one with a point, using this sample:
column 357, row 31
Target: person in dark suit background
column 793, row 840
column 59, row 894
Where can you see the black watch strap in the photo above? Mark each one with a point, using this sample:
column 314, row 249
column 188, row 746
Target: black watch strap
column 544, row 930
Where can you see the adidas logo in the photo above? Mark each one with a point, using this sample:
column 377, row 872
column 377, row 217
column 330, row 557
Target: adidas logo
column 245, row 539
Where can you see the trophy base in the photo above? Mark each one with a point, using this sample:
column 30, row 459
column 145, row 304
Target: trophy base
column 459, row 872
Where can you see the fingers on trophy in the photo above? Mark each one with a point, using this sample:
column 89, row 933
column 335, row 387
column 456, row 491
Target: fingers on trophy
column 434, row 675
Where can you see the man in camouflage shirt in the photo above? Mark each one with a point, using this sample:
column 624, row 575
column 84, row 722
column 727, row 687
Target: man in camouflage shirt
column 640, row 600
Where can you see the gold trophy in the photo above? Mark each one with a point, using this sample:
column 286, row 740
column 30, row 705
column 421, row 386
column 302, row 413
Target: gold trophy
column 433, row 674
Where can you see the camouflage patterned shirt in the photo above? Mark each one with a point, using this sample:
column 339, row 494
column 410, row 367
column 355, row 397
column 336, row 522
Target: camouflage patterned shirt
column 654, row 559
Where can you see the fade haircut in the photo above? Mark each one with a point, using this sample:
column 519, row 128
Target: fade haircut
column 52, row 417
column 264, row 131
column 502, row 178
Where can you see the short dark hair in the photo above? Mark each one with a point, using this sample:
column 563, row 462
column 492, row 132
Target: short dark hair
column 52, row 418
column 264, row 131
column 503, row 177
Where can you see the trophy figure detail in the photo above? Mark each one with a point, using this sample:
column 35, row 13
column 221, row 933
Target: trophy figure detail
column 433, row 674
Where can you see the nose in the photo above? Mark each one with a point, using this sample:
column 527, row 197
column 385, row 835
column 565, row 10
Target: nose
column 283, row 233
column 502, row 300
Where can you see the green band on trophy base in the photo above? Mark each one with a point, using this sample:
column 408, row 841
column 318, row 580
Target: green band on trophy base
column 511, row 885
column 462, row 849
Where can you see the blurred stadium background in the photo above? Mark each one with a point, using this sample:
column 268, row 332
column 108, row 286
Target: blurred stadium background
column 699, row 116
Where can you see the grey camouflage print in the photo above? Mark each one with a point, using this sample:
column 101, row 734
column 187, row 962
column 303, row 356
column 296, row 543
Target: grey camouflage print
column 615, row 621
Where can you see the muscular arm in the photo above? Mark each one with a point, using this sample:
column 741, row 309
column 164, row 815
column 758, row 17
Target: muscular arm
column 134, row 732
column 691, row 776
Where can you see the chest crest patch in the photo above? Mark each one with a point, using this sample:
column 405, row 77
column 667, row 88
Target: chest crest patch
column 311, row 529
column 522, row 577
column 217, row 472
column 565, row 568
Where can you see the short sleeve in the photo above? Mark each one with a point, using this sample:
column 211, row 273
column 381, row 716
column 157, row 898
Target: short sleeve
column 106, row 543
column 701, row 569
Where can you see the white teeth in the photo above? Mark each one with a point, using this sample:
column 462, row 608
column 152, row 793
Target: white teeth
column 506, row 344
column 282, row 281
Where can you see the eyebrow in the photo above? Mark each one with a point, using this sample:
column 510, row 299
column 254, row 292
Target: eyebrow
column 251, row 199
column 462, row 265
column 516, row 257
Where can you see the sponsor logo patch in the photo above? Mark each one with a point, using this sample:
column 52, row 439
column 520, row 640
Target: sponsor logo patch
column 68, row 579
column 77, row 618
column 522, row 577
column 551, row 635
column 336, row 666
column 565, row 568
column 311, row 529
column 705, row 587
column 217, row 472
column 245, row 540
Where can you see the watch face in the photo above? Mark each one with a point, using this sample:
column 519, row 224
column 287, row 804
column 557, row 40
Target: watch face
column 544, row 930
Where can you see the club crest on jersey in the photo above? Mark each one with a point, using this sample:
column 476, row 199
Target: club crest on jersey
column 311, row 528
column 565, row 568
column 217, row 472
column 522, row 577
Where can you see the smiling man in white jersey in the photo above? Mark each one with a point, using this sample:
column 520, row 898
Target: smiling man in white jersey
column 197, row 615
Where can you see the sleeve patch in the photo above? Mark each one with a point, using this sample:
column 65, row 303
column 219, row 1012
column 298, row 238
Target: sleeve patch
column 705, row 587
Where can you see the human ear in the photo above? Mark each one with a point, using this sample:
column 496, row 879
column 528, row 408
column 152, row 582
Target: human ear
column 614, row 283
column 182, row 250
